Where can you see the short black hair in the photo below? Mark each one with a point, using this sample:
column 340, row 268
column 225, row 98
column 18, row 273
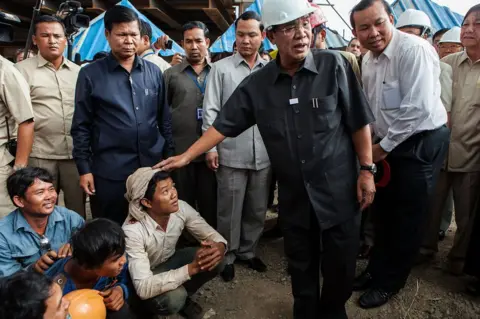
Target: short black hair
column 250, row 15
column 48, row 19
column 152, row 184
column 119, row 14
column 146, row 30
column 439, row 33
column 23, row 295
column 365, row 4
column 98, row 240
column 19, row 182
column 475, row 8
column 196, row 25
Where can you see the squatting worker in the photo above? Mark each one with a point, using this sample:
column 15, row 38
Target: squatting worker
column 314, row 120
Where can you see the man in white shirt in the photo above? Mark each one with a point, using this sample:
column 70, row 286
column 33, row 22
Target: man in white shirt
column 163, row 277
column 401, row 80
column 145, row 49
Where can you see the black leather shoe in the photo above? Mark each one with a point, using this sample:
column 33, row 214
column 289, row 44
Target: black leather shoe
column 228, row 273
column 375, row 298
column 362, row 282
column 256, row 264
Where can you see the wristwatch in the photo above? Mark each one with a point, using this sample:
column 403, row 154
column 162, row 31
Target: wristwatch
column 371, row 168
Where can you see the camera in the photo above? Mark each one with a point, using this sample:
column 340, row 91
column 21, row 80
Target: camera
column 169, row 44
column 71, row 14
column 6, row 28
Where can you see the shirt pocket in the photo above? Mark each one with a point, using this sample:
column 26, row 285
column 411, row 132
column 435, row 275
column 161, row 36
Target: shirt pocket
column 322, row 110
column 391, row 96
column 27, row 256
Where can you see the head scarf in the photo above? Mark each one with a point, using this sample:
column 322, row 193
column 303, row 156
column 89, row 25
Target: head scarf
column 137, row 184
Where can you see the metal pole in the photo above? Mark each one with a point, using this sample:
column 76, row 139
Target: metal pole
column 333, row 7
column 36, row 12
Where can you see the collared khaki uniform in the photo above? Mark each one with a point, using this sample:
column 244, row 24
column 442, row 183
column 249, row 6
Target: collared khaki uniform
column 53, row 93
column 15, row 105
column 463, row 159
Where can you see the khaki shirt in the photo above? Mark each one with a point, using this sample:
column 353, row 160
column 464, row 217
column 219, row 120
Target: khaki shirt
column 52, row 93
column 15, row 104
column 464, row 151
column 446, row 75
column 148, row 246
column 354, row 63
column 150, row 56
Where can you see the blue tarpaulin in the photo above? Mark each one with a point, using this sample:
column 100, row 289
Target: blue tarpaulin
column 92, row 40
column 225, row 42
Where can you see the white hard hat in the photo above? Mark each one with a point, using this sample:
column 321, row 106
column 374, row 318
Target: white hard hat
column 414, row 18
column 276, row 12
column 451, row 36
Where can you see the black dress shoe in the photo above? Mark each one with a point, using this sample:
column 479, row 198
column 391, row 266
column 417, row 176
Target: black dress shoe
column 375, row 298
column 192, row 310
column 228, row 273
column 362, row 282
column 256, row 264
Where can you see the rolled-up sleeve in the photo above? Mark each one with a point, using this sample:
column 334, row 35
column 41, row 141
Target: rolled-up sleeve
column 237, row 115
column 82, row 123
column 149, row 285
column 212, row 102
column 417, row 88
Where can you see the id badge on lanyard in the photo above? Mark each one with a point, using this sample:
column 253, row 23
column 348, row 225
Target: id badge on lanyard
column 202, row 87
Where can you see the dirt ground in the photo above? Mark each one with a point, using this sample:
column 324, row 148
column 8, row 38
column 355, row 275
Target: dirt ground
column 430, row 292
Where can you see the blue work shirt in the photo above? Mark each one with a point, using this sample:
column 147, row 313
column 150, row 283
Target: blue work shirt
column 102, row 284
column 20, row 244
column 121, row 120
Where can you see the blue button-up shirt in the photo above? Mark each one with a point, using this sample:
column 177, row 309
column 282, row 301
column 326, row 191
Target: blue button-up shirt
column 20, row 244
column 121, row 120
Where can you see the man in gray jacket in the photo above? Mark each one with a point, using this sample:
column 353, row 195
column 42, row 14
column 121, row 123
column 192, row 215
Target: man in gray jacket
column 241, row 164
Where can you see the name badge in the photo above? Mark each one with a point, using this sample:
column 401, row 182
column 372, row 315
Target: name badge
column 293, row 101
column 199, row 114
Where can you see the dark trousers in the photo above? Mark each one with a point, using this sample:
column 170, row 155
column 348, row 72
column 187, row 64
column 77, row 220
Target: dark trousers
column 271, row 192
column 197, row 185
column 124, row 313
column 333, row 251
column 401, row 208
column 109, row 200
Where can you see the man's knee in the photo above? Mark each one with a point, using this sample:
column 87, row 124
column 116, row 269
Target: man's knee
column 169, row 303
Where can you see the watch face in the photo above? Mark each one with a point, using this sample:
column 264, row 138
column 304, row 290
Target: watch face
column 374, row 169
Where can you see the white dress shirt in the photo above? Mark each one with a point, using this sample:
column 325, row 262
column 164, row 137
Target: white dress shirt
column 403, row 88
column 148, row 246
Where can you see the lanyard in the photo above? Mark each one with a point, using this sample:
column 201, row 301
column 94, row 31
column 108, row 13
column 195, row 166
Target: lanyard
column 194, row 79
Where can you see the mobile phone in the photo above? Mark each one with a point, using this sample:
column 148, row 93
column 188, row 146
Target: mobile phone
column 169, row 44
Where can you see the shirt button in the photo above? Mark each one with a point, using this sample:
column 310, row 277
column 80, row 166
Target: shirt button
column 294, row 87
column 299, row 136
column 136, row 108
column 297, row 111
column 302, row 161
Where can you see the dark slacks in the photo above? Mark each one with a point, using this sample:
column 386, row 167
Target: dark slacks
column 401, row 208
column 197, row 185
column 333, row 251
column 124, row 313
column 109, row 200
column 472, row 261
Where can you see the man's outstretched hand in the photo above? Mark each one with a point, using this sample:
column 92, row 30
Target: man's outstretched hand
column 173, row 162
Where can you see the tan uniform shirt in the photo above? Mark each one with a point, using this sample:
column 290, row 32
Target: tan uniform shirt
column 53, row 93
column 464, row 151
column 15, row 104
column 446, row 82
column 150, row 56
column 148, row 246
column 354, row 63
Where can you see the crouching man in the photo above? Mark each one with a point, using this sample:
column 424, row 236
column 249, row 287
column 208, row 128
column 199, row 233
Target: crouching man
column 98, row 262
column 165, row 278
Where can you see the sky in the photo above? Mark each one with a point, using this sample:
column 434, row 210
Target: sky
column 344, row 7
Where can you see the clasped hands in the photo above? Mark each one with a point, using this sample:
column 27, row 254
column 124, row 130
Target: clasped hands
column 207, row 257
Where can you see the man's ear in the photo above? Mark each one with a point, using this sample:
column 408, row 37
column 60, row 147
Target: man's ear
column 271, row 36
column 207, row 41
column 34, row 40
column 107, row 33
column 146, row 203
column 354, row 32
column 18, row 201
column 264, row 35
column 392, row 19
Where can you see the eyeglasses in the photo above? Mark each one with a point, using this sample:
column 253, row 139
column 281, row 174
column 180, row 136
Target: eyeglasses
column 290, row 30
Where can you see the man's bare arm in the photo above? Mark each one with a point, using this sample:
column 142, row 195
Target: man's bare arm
column 24, row 142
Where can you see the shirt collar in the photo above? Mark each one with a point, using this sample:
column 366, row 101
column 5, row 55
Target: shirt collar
column 185, row 64
column 113, row 62
column 41, row 62
column 238, row 59
column 308, row 64
column 464, row 57
column 20, row 222
column 148, row 51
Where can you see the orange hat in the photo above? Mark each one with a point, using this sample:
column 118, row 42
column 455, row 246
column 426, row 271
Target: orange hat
column 86, row 304
column 317, row 17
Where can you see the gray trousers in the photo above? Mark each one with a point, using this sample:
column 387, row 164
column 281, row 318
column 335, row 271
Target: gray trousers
column 241, row 209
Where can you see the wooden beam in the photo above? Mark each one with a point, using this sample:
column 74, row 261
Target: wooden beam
column 49, row 6
column 162, row 11
column 98, row 7
column 222, row 8
column 216, row 16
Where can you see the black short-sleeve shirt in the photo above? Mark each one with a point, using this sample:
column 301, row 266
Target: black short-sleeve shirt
column 306, row 122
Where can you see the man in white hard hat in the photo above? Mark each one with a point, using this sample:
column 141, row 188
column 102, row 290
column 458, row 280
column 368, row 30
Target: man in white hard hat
column 401, row 80
column 450, row 43
column 314, row 120
column 415, row 22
